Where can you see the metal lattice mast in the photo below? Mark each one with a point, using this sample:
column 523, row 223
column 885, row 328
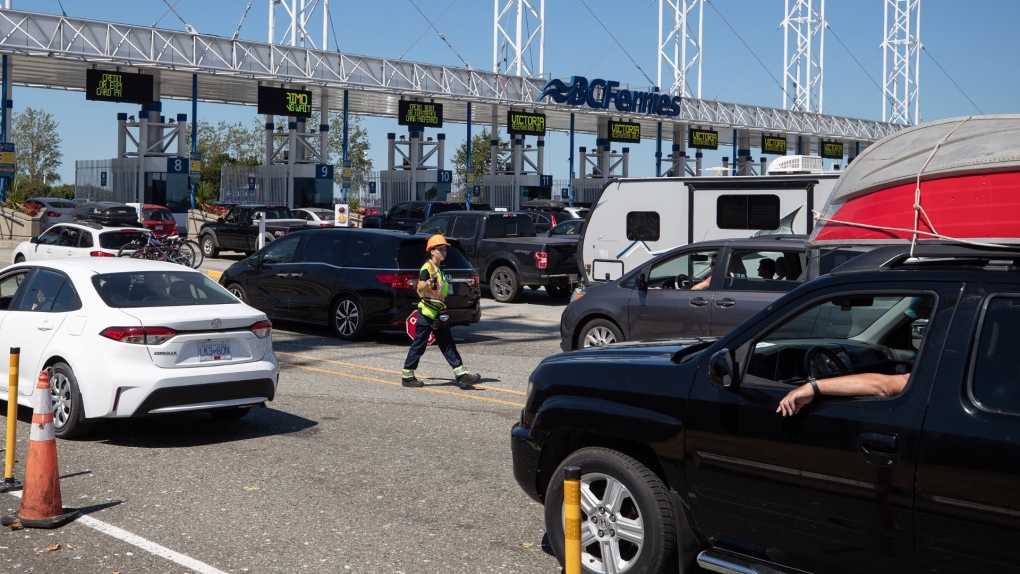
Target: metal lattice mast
column 679, row 47
column 802, row 70
column 515, row 43
column 902, row 44
column 300, row 13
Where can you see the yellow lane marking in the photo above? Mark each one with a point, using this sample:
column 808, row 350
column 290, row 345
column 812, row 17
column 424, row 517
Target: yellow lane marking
column 213, row 273
column 521, row 318
column 384, row 381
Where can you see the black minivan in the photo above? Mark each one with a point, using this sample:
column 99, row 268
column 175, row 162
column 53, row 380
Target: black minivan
column 353, row 280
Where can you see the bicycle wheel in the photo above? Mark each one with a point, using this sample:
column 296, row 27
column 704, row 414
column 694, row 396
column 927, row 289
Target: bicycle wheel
column 197, row 257
column 128, row 249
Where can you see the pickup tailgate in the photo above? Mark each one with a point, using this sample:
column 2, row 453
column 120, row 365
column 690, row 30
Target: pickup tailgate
column 562, row 256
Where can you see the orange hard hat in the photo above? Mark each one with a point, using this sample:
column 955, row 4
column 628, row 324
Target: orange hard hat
column 435, row 241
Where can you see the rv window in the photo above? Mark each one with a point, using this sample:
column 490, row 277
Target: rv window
column 643, row 226
column 747, row 212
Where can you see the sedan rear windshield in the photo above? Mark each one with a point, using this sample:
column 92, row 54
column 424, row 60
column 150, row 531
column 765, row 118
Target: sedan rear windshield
column 412, row 255
column 160, row 289
column 61, row 204
column 118, row 239
column 157, row 215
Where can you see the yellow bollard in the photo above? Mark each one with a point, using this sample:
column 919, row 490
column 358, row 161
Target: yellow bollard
column 572, row 520
column 9, row 483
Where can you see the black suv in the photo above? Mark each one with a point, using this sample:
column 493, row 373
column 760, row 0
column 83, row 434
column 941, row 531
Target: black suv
column 353, row 280
column 684, row 459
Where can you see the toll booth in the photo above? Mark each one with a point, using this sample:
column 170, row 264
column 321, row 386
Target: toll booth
column 415, row 169
column 517, row 180
column 156, row 172
column 598, row 166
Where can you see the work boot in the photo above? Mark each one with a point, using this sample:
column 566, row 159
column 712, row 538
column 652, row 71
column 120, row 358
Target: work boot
column 466, row 380
column 412, row 382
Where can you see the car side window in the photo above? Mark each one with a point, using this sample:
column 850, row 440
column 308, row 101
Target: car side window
column 86, row 240
column 51, row 236
column 282, row 250
column 435, row 225
column 9, row 287
column 43, row 291
column 995, row 372
column 763, row 270
column 464, row 227
column 69, row 237
column 323, row 248
column 417, row 211
column 844, row 335
column 398, row 210
column 364, row 254
column 681, row 271
column 233, row 216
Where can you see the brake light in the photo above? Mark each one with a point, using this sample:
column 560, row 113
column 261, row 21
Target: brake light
column 139, row 335
column 552, row 219
column 262, row 329
column 52, row 214
column 100, row 254
column 398, row 280
column 541, row 259
column 473, row 281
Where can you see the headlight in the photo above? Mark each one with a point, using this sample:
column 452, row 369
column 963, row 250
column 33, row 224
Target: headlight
column 577, row 296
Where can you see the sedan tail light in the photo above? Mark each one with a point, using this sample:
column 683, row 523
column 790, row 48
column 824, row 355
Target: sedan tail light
column 139, row 335
column 398, row 280
column 100, row 254
column 52, row 214
column 541, row 259
column 262, row 329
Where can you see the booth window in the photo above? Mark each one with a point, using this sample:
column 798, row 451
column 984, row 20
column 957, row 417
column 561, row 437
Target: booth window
column 747, row 212
column 643, row 226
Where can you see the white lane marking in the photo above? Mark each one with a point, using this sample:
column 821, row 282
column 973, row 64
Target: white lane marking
column 147, row 545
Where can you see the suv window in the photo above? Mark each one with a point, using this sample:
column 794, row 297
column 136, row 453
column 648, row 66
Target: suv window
column 51, row 236
column 995, row 382
column 695, row 266
column 764, row 270
column 323, row 248
column 364, row 253
column 283, row 250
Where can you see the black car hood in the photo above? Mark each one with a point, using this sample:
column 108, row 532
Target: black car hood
column 659, row 349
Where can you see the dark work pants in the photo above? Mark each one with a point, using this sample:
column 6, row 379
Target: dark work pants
column 444, row 338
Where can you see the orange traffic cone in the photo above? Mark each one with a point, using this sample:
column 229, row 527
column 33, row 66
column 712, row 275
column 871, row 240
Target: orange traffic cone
column 41, row 506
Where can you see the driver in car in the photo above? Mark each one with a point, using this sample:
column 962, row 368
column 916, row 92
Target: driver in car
column 856, row 385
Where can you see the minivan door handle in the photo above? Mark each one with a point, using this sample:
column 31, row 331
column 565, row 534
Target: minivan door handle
column 699, row 301
column 725, row 302
column 879, row 448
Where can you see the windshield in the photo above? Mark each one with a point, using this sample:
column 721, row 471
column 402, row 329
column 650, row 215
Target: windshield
column 157, row 215
column 160, row 289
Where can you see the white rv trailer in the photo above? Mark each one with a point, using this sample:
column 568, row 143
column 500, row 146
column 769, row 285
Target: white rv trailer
column 635, row 219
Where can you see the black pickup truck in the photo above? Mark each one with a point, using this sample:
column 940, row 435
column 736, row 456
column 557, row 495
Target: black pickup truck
column 238, row 230
column 685, row 461
column 408, row 215
column 504, row 249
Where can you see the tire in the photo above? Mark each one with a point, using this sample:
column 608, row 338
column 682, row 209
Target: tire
column 68, row 416
column 129, row 249
column 19, row 258
column 599, row 332
column 209, row 248
column 347, row 318
column 237, row 291
column 504, row 285
column 559, row 291
column 230, row 413
column 191, row 253
column 641, row 502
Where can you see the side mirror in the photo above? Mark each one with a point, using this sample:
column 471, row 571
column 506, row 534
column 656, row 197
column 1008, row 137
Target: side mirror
column 917, row 329
column 642, row 282
column 721, row 371
column 34, row 240
column 219, row 220
column 255, row 261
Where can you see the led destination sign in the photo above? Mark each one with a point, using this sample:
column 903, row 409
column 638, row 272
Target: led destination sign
column 524, row 123
column 832, row 150
column 703, row 139
column 285, row 102
column 425, row 114
column 625, row 132
column 773, row 145
column 106, row 86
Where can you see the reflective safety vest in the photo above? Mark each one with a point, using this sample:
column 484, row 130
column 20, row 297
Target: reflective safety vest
column 434, row 299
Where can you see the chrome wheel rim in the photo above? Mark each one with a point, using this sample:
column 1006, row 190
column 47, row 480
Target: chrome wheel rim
column 347, row 318
column 501, row 285
column 598, row 336
column 207, row 247
column 612, row 528
column 60, row 392
column 237, row 292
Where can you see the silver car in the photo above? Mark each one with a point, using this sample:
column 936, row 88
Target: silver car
column 54, row 209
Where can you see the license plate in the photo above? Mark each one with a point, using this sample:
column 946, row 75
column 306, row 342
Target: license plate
column 214, row 351
column 159, row 228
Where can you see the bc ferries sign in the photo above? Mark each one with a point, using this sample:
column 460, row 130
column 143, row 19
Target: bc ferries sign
column 600, row 93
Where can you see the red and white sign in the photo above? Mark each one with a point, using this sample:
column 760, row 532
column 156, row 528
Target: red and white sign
column 341, row 215
column 412, row 320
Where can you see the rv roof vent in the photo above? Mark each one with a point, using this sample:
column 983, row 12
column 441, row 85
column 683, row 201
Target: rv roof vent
column 796, row 164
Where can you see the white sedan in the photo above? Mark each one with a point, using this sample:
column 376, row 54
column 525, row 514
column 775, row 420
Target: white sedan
column 313, row 216
column 128, row 338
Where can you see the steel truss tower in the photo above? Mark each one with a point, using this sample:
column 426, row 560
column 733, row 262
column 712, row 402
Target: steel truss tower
column 300, row 13
column 802, row 70
column 679, row 47
column 517, row 44
column 902, row 44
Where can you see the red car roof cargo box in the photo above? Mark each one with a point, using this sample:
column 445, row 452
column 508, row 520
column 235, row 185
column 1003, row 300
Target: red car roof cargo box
column 947, row 180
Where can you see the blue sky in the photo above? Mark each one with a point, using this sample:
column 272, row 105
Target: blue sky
column 968, row 65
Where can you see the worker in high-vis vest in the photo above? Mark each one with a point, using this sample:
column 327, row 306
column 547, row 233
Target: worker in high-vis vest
column 432, row 318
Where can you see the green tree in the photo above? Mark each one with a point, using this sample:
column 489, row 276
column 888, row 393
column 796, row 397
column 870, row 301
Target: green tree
column 38, row 146
column 64, row 191
column 357, row 150
column 479, row 157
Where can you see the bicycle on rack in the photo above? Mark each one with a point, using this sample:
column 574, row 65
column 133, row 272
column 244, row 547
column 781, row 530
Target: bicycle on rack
column 174, row 249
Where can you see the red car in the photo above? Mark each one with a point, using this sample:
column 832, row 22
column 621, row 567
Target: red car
column 159, row 220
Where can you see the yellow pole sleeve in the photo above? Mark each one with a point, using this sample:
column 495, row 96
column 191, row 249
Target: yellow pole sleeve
column 12, row 413
column 572, row 520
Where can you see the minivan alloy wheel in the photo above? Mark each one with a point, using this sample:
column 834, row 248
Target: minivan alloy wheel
column 347, row 318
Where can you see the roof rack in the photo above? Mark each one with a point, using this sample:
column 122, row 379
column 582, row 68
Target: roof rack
column 930, row 255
